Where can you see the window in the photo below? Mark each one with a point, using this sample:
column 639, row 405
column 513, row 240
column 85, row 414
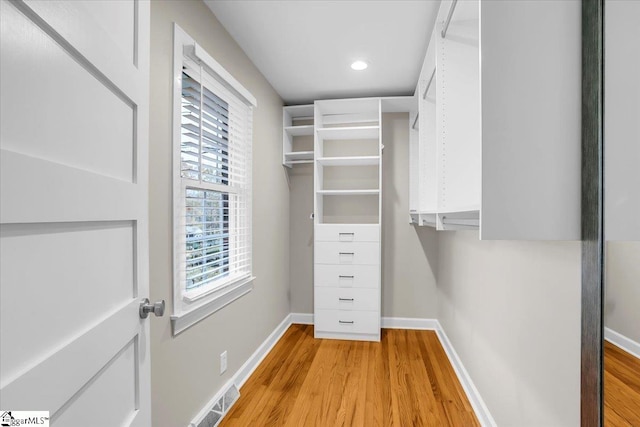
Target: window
column 212, row 185
column 204, row 158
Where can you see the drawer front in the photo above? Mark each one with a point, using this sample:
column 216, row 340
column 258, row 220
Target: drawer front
column 347, row 276
column 347, row 299
column 347, row 233
column 354, row 253
column 356, row 322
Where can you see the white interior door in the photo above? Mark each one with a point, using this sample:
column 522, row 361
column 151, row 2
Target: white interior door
column 73, row 211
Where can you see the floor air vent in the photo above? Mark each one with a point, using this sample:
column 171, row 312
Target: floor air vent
column 215, row 414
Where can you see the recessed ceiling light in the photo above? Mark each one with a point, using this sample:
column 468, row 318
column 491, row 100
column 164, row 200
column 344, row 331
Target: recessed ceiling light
column 359, row 65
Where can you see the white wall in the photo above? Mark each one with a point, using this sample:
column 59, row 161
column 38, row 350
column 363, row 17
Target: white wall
column 408, row 253
column 622, row 289
column 301, row 238
column 622, row 176
column 184, row 369
column 512, row 312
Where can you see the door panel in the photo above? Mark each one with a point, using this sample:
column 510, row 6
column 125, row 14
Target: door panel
column 73, row 214
column 71, row 87
column 38, row 255
column 29, row 184
column 117, row 18
column 89, row 38
column 114, row 380
column 54, row 380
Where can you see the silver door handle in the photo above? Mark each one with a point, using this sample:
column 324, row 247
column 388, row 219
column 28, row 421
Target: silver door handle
column 146, row 307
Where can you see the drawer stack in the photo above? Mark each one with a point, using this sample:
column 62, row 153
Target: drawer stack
column 347, row 281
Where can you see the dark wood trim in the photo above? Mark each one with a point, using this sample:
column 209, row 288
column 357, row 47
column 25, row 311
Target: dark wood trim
column 591, row 386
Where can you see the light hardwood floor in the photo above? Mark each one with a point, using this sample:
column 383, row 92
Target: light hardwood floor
column 405, row 380
column 621, row 388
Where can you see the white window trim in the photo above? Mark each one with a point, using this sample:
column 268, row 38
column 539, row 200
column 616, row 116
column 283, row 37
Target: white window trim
column 189, row 307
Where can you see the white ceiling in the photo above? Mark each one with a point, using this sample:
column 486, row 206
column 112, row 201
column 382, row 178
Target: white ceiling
column 305, row 48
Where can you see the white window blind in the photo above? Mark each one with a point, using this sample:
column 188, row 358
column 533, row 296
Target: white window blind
column 214, row 216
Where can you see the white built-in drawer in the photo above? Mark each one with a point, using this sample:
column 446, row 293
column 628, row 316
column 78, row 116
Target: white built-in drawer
column 347, row 276
column 356, row 253
column 356, row 322
column 347, row 298
column 347, row 233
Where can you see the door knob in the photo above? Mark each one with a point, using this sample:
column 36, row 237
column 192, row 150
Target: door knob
column 146, row 307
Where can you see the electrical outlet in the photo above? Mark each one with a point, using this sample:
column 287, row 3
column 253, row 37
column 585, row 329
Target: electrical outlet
column 223, row 362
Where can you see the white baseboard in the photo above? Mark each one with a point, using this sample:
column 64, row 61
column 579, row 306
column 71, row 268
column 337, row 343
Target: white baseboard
column 619, row 340
column 245, row 371
column 302, row 318
column 387, row 322
column 479, row 407
column 409, row 323
column 258, row 356
column 207, row 408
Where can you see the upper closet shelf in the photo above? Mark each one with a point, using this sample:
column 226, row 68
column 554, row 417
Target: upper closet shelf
column 299, row 130
column 429, row 219
column 399, row 104
column 294, row 153
column 458, row 220
column 447, row 220
column 355, row 132
column 348, row 192
column 300, row 112
column 349, row 161
column 299, row 155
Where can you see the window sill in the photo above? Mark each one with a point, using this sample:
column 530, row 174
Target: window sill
column 188, row 318
column 220, row 288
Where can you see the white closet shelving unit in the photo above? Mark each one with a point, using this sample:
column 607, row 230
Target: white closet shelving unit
column 343, row 140
column 495, row 143
column 445, row 142
column 297, row 138
column 423, row 183
column 348, row 206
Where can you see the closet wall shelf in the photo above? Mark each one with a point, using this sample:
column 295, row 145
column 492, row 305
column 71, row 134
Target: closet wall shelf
column 348, row 192
column 299, row 155
column 296, row 134
column 447, row 220
column 352, row 132
column 428, row 219
column 459, row 220
column 299, row 130
column 299, row 162
column 349, row 161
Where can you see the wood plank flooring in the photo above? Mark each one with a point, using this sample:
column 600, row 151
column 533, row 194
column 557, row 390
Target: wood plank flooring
column 621, row 388
column 405, row 380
